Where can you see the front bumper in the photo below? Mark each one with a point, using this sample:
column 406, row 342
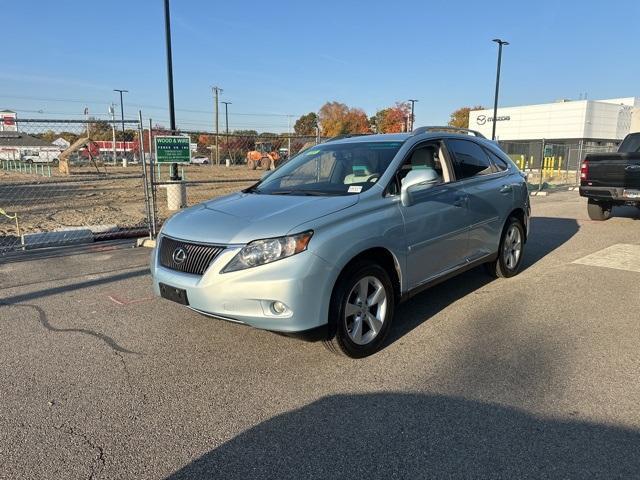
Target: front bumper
column 302, row 282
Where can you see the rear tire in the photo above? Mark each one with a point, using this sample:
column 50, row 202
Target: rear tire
column 361, row 310
column 510, row 251
column 598, row 211
column 251, row 164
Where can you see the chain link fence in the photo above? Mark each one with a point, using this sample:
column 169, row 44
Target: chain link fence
column 72, row 181
column 551, row 163
column 65, row 181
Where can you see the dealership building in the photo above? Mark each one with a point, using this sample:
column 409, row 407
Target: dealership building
column 593, row 122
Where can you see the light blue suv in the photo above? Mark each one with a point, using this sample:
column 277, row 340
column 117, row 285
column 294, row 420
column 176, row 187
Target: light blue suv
column 328, row 244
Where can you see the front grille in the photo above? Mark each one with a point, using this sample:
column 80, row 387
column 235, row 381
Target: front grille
column 197, row 256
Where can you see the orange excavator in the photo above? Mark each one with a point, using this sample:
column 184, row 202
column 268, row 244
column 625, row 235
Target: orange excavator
column 263, row 156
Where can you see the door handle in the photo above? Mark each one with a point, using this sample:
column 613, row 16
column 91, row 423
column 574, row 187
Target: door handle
column 460, row 201
column 506, row 189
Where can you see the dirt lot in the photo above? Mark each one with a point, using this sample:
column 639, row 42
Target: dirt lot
column 48, row 203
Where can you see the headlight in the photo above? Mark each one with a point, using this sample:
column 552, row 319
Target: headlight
column 261, row 252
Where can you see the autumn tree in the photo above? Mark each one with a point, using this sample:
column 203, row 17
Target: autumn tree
column 460, row 118
column 338, row 119
column 392, row 119
column 306, row 124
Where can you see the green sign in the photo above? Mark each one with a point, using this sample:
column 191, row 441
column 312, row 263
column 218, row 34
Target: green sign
column 173, row 149
column 548, row 150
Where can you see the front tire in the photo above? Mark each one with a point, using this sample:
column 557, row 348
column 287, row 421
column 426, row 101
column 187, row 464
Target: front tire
column 510, row 251
column 598, row 211
column 361, row 310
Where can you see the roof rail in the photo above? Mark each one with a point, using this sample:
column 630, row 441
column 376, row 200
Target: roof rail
column 447, row 128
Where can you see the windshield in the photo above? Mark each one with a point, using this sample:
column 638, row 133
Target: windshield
column 331, row 169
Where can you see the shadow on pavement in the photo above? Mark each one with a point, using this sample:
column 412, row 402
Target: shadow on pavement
column 546, row 235
column 395, row 435
column 47, row 292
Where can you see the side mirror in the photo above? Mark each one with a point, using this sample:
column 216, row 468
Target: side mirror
column 417, row 181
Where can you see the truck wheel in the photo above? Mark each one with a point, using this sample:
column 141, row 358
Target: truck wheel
column 265, row 163
column 598, row 211
column 361, row 310
column 251, row 164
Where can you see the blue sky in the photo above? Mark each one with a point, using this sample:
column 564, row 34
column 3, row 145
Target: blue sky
column 289, row 57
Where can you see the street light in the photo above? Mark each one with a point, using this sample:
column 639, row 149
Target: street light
column 172, row 113
column 495, row 99
column 124, row 156
column 413, row 118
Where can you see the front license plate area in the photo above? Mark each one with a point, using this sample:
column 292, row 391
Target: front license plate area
column 632, row 193
column 174, row 294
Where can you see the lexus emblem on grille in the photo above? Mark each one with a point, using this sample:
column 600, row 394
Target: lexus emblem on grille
column 179, row 255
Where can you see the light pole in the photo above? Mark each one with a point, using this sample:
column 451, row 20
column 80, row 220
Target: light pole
column 226, row 122
column 413, row 118
column 172, row 112
column 495, row 99
column 112, row 111
column 124, row 155
column 217, row 91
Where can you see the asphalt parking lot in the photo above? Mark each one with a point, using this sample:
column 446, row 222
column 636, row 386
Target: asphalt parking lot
column 532, row 377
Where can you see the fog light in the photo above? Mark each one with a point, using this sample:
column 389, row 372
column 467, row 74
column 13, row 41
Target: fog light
column 278, row 308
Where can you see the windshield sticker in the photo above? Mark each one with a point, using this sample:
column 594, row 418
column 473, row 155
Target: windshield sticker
column 311, row 152
column 355, row 189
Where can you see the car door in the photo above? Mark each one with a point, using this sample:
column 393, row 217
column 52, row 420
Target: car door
column 436, row 222
column 490, row 195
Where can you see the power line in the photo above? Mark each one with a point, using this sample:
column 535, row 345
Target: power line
column 150, row 107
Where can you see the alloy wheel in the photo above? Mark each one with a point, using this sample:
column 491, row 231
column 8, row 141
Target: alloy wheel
column 512, row 248
column 365, row 310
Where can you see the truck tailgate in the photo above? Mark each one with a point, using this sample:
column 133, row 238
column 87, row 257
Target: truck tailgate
column 614, row 170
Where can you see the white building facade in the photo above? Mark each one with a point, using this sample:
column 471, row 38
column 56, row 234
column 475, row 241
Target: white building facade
column 592, row 121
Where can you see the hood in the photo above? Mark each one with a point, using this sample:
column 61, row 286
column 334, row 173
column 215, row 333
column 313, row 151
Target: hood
column 243, row 217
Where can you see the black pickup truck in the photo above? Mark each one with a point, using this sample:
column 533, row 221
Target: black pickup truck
column 609, row 179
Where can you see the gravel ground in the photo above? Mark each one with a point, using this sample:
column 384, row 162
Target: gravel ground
column 47, row 204
column 531, row 377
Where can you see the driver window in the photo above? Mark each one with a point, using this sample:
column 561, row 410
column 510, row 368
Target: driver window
column 425, row 156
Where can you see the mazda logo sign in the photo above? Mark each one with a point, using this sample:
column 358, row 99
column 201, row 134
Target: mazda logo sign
column 179, row 255
column 481, row 120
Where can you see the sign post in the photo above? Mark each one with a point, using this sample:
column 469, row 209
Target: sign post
column 173, row 150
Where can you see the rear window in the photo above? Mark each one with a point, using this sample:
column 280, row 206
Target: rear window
column 631, row 143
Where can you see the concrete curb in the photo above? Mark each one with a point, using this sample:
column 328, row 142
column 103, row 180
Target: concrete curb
column 58, row 238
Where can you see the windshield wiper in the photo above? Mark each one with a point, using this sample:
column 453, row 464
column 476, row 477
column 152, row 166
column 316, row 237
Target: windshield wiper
column 308, row 193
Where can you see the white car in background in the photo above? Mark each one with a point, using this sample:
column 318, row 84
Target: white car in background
column 200, row 160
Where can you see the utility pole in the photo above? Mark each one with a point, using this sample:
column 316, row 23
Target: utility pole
column 495, row 98
column 216, row 91
column 413, row 117
column 289, row 136
column 86, row 117
column 124, row 153
column 112, row 111
column 172, row 112
column 226, row 116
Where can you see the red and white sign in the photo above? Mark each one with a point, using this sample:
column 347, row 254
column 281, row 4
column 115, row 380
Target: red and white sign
column 106, row 146
column 7, row 122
